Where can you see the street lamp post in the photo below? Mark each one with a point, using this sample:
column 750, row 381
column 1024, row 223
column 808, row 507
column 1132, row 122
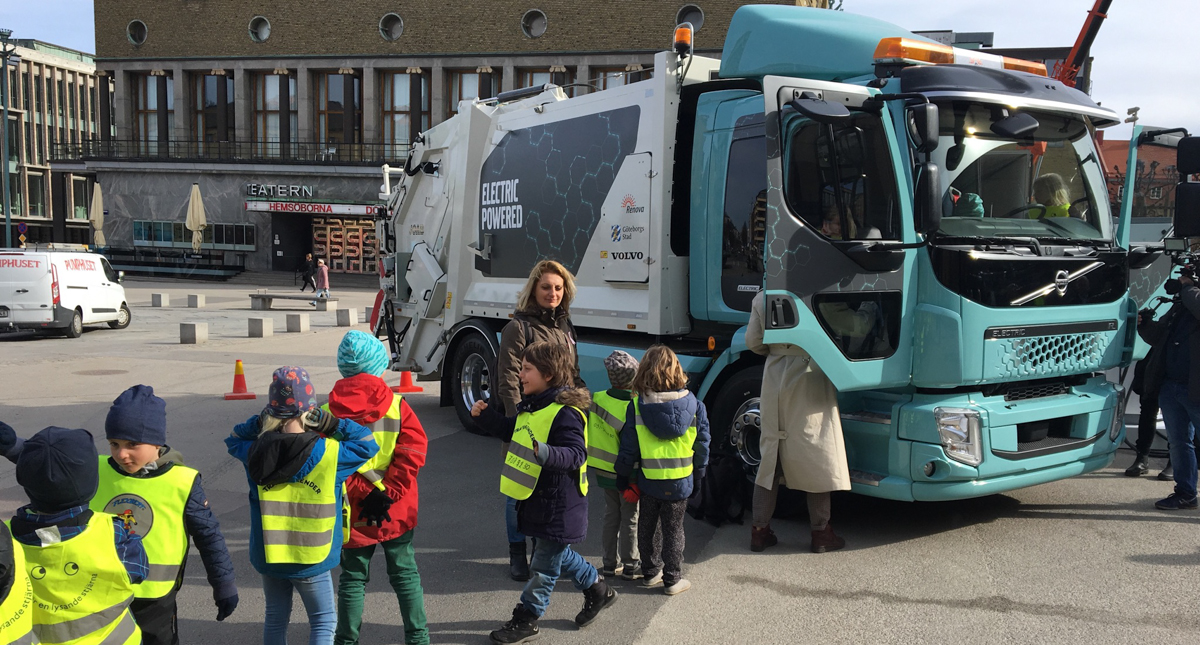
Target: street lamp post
column 5, row 51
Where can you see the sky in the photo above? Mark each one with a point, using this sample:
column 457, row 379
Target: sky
column 1139, row 59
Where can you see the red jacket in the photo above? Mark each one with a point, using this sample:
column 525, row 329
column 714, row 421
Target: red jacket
column 365, row 398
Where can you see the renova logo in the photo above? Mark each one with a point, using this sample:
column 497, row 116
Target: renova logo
column 616, row 233
column 630, row 205
column 134, row 511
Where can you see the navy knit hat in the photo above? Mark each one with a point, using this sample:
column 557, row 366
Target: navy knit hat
column 137, row 415
column 291, row 393
column 58, row 468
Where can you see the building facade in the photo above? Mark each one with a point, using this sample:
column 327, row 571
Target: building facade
column 284, row 112
column 53, row 97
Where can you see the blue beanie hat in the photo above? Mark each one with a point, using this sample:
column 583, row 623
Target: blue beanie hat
column 59, row 469
column 291, row 393
column 361, row 353
column 137, row 415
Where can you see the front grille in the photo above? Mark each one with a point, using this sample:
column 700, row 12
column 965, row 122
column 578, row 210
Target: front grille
column 1046, row 446
column 1048, row 355
column 1025, row 390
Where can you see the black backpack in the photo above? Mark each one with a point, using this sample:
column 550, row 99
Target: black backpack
column 724, row 493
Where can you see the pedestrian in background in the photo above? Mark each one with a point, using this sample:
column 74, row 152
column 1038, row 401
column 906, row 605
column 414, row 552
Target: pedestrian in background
column 605, row 423
column 322, row 279
column 546, row 471
column 543, row 313
column 801, row 441
column 666, row 431
column 307, row 271
column 145, row 484
column 82, row 565
column 383, row 493
column 297, row 457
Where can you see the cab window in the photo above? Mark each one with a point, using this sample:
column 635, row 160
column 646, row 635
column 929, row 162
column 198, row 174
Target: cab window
column 108, row 271
column 744, row 225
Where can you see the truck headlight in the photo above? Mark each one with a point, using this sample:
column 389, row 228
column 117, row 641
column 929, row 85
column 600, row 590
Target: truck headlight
column 1117, row 422
column 959, row 429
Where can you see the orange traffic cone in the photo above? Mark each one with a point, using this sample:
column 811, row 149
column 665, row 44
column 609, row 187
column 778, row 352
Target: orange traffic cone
column 239, row 392
column 406, row 384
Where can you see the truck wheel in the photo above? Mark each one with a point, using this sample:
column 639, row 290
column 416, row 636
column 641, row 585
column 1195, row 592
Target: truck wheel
column 471, row 378
column 735, row 417
column 123, row 318
column 75, row 330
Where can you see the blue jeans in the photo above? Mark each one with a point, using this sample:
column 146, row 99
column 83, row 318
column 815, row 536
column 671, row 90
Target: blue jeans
column 1181, row 418
column 552, row 560
column 317, row 595
column 510, row 520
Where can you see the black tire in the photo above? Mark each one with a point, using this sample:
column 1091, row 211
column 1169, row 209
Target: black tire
column 123, row 318
column 75, row 329
column 736, row 402
column 471, row 377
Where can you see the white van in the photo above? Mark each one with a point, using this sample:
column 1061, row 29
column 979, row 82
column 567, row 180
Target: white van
column 49, row 288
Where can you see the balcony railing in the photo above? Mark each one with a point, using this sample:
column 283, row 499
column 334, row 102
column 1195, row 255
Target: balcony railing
column 354, row 154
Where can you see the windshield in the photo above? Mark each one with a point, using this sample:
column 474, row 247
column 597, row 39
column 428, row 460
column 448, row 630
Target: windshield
column 1047, row 184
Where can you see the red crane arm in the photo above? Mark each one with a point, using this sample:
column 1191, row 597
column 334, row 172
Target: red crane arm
column 1067, row 70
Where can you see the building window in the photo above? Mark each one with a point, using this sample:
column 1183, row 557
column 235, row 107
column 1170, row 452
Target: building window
column 13, row 89
column 146, row 117
column 391, row 27
column 79, row 200
column 332, row 126
column 690, row 13
column 13, row 133
column 206, row 111
column 610, row 77
column 136, row 32
column 37, row 194
column 1155, row 193
column 398, row 113
column 260, row 29
column 465, row 86
column 15, row 193
column 25, row 89
column 267, row 111
column 533, row 23
column 539, row 77
column 221, row 237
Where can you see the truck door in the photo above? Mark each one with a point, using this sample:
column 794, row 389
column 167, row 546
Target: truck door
column 838, row 211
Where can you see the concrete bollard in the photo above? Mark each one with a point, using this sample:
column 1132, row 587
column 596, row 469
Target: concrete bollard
column 347, row 317
column 297, row 323
column 195, row 301
column 160, row 300
column 193, row 333
column 323, row 304
column 367, row 314
column 262, row 327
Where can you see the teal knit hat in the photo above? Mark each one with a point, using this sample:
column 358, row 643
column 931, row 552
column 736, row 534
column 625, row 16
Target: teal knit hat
column 361, row 353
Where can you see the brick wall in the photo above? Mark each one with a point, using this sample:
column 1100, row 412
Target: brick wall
column 218, row 28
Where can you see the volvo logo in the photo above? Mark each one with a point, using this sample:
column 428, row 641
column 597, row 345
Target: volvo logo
column 1061, row 280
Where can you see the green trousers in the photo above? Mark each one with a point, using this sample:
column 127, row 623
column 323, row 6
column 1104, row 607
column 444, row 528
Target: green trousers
column 402, row 573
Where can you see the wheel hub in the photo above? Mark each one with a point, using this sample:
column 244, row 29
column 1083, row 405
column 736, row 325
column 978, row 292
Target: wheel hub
column 475, row 380
column 747, row 426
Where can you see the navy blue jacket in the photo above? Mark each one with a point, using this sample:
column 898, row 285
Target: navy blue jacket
column 667, row 420
column 557, row 510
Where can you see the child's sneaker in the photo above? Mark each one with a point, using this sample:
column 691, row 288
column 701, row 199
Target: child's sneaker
column 653, row 581
column 521, row 629
column 679, row 587
column 632, row 572
column 595, row 598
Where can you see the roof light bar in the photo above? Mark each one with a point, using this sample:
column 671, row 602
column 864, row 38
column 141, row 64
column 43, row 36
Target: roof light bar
column 919, row 52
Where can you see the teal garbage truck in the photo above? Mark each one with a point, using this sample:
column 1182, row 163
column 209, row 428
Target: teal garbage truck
column 931, row 224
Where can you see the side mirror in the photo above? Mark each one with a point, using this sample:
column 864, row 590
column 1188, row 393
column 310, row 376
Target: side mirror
column 1187, row 195
column 820, row 110
column 1017, row 126
column 923, row 125
column 928, row 206
column 1187, row 156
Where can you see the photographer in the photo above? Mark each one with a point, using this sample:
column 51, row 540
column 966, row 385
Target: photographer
column 1173, row 372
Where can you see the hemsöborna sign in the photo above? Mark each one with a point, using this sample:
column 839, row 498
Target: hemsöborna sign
column 365, row 210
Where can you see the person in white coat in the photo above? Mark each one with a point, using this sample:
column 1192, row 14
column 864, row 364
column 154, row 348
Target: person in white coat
column 801, row 441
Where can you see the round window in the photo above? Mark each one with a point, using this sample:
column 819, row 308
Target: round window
column 690, row 13
column 533, row 23
column 260, row 29
column 391, row 27
column 136, row 31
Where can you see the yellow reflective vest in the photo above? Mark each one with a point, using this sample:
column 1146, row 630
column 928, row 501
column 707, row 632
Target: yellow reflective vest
column 605, row 420
column 152, row 507
column 521, row 470
column 81, row 590
column 665, row 459
column 299, row 518
column 386, row 432
column 16, row 609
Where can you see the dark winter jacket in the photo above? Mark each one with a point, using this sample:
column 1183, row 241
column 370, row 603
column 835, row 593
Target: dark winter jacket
column 275, row 460
column 557, row 509
column 6, row 561
column 527, row 327
column 1158, row 334
column 200, row 523
column 668, row 415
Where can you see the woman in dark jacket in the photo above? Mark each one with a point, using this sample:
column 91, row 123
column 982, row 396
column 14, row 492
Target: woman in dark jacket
column 543, row 314
column 307, row 271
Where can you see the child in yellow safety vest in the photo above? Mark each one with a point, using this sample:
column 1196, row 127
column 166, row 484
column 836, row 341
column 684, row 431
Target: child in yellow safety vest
column 82, row 565
column 666, row 433
column 146, row 485
column 545, row 470
column 605, row 421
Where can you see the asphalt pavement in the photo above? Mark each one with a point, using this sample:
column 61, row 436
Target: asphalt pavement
column 1082, row 560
